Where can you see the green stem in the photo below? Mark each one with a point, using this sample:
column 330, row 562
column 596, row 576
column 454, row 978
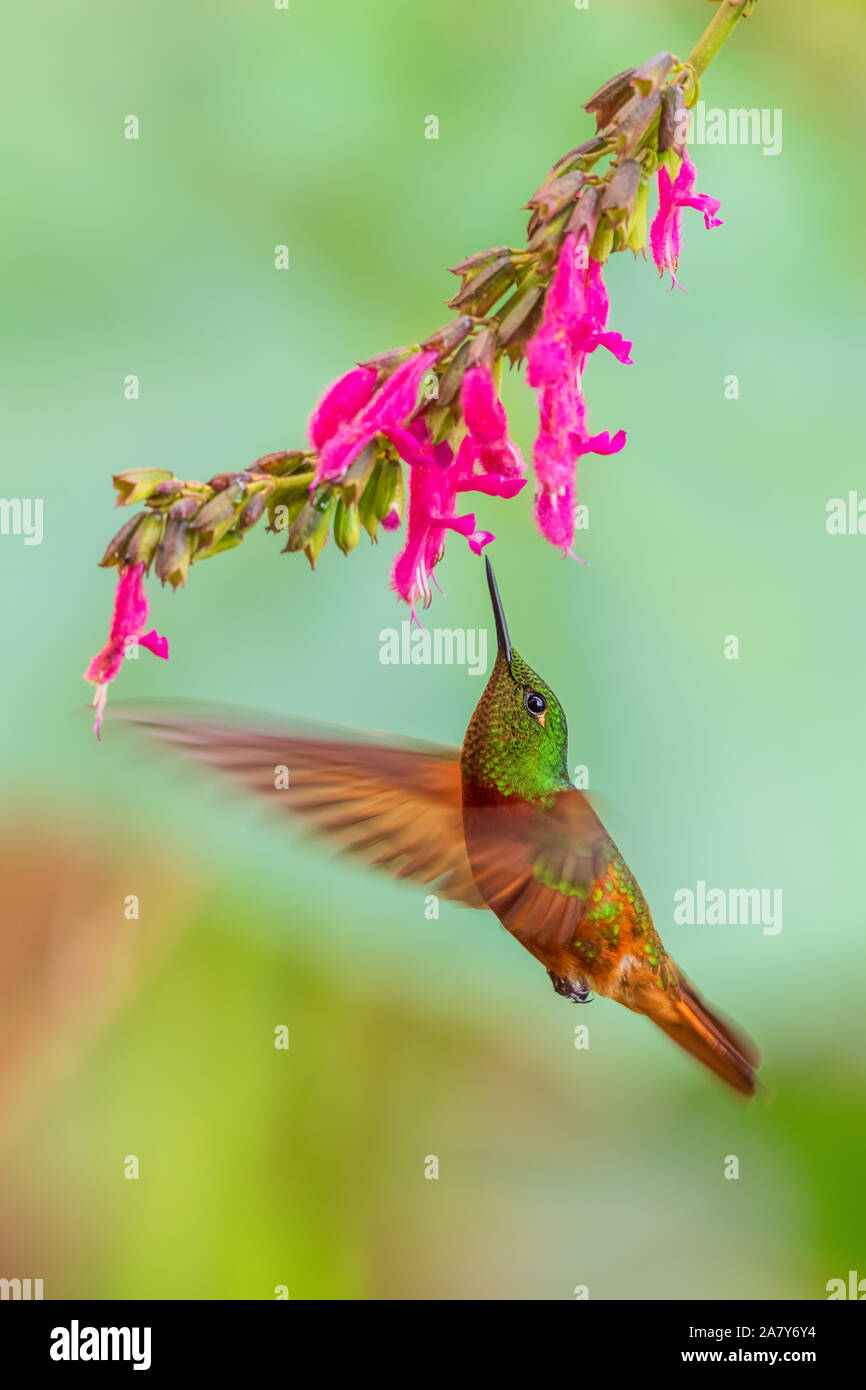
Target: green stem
column 719, row 29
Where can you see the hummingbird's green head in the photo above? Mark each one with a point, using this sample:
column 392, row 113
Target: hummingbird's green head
column 517, row 740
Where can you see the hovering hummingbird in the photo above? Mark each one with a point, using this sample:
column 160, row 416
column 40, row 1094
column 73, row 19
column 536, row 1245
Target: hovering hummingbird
column 497, row 824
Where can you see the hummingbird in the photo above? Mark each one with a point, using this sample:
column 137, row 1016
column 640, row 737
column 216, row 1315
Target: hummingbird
column 497, row 824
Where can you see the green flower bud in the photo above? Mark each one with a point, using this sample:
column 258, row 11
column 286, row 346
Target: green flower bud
column 394, row 515
column 310, row 528
column 484, row 289
column 613, row 94
column 174, row 554
column 519, row 318
column 630, row 131
column 282, row 511
column 440, row 422
column 287, row 490
column 347, row 525
column 452, row 378
column 184, row 508
column 672, row 121
column 602, row 242
column 220, row 481
column 389, row 480
column 212, row 521
column 651, row 74
column 482, row 350
column 357, row 475
column 584, row 219
column 479, row 259
column 556, row 193
column 635, row 237
column 445, row 340
column 545, row 240
column 621, row 192
column 136, row 484
column 252, row 511
column 228, row 542
column 367, row 503
column 164, row 492
column 116, row 548
column 143, row 544
column 279, row 464
column 583, row 157
column 387, row 361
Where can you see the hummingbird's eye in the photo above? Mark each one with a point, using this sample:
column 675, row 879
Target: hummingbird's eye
column 535, row 703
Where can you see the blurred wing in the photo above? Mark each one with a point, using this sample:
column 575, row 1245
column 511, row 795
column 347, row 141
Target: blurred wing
column 65, row 969
column 396, row 806
column 535, row 867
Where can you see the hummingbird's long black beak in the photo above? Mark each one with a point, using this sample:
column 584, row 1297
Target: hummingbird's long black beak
column 502, row 638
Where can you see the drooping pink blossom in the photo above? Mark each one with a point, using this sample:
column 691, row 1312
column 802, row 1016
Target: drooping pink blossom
column 554, row 515
column 433, row 493
column 574, row 325
column 340, row 403
column 575, row 319
column 563, row 436
column 127, row 625
column 487, row 424
column 590, row 331
column 349, row 416
column 414, row 446
column 665, row 236
column 549, row 353
column 561, row 418
column 563, row 439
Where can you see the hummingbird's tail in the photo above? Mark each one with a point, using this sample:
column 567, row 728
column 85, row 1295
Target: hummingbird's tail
column 712, row 1039
column 679, row 1011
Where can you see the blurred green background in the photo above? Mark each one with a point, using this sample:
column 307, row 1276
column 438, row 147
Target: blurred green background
column 408, row 1037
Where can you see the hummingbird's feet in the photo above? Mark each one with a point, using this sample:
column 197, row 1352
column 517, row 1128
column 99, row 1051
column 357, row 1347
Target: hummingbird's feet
column 579, row 993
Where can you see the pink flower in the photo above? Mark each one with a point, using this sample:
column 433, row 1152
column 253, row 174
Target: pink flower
column 575, row 316
column 666, row 232
column 549, row 353
column 341, row 402
column 554, row 515
column 127, row 625
column 573, row 326
column 414, row 446
column 561, row 418
column 590, row 334
column 562, row 440
column 487, row 424
column 433, row 491
column 352, row 413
